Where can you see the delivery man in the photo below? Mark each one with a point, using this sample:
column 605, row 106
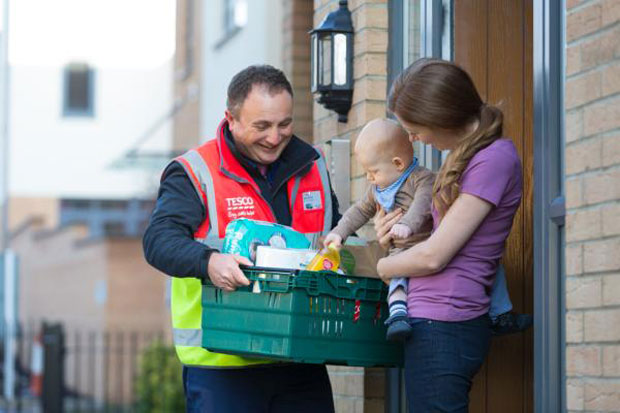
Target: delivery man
column 254, row 168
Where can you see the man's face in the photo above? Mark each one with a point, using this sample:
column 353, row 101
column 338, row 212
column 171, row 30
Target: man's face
column 263, row 125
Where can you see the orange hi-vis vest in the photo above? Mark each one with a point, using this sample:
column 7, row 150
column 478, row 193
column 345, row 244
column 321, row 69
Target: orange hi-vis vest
column 228, row 192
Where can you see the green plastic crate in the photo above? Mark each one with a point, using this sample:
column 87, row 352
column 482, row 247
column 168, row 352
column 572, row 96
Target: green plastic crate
column 301, row 316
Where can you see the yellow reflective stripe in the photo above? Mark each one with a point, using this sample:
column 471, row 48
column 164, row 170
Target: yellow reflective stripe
column 322, row 166
column 194, row 356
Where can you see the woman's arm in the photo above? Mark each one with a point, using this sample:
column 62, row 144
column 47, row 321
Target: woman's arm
column 428, row 257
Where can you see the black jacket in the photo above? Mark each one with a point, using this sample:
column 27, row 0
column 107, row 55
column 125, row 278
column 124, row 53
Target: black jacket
column 169, row 242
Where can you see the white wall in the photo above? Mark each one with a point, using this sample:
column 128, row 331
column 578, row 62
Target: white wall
column 130, row 45
column 258, row 42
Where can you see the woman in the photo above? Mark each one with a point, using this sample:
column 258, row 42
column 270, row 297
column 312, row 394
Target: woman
column 475, row 197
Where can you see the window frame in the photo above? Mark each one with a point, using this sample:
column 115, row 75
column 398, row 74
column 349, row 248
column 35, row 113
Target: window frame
column 68, row 111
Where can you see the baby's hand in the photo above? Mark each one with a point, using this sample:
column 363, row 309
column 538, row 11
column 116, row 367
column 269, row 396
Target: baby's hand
column 400, row 231
column 332, row 238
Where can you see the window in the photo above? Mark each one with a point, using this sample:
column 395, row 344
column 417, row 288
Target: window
column 107, row 217
column 235, row 15
column 78, row 90
column 114, row 228
column 421, row 28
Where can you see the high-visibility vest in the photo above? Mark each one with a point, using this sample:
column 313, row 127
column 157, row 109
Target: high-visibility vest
column 228, row 192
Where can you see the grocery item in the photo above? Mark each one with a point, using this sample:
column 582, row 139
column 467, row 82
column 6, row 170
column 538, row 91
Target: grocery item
column 243, row 236
column 284, row 258
column 328, row 259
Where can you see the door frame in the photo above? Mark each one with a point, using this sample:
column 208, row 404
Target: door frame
column 549, row 208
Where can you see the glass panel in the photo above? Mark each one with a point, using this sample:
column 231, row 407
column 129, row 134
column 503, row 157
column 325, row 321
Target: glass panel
column 313, row 61
column 340, row 59
column 325, row 64
column 420, row 23
column 413, row 32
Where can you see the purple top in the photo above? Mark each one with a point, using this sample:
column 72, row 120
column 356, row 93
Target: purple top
column 461, row 290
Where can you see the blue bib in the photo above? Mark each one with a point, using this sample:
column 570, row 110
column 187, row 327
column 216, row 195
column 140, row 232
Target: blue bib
column 387, row 197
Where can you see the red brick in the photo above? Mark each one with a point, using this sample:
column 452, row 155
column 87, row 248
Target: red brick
column 583, row 156
column 601, row 256
column 583, row 360
column 583, row 21
column 583, row 292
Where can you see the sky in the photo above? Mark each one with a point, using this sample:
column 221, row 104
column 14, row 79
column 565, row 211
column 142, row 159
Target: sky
column 133, row 34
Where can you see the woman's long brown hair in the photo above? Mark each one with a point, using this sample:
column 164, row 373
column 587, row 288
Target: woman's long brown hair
column 440, row 95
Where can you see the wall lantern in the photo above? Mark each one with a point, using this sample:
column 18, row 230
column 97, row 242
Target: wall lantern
column 332, row 61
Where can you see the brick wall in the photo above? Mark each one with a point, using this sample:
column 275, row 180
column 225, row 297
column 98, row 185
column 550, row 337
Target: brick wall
column 370, row 22
column 297, row 22
column 187, row 68
column 592, row 170
column 357, row 389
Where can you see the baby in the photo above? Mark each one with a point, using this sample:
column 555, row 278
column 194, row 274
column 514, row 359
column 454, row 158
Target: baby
column 397, row 181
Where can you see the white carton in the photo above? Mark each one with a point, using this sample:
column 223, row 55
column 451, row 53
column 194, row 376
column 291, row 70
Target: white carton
column 285, row 258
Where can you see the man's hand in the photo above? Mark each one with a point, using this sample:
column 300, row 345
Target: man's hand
column 224, row 271
column 332, row 238
column 383, row 223
column 400, row 231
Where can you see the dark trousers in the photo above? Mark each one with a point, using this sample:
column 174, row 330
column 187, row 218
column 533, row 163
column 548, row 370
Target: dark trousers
column 269, row 389
column 441, row 359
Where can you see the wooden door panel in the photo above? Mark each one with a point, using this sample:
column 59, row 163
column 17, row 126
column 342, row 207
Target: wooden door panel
column 505, row 89
column 493, row 42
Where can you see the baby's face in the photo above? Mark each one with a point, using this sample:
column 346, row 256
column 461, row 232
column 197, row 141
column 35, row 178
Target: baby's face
column 380, row 170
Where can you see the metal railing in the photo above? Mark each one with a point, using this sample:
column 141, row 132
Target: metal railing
column 60, row 368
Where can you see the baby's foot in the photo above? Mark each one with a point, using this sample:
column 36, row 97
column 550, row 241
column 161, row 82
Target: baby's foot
column 398, row 328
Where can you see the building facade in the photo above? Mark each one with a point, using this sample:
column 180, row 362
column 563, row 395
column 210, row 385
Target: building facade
column 552, row 67
column 84, row 96
column 592, row 180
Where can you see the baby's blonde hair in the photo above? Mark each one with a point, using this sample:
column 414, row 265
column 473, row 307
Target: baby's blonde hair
column 385, row 137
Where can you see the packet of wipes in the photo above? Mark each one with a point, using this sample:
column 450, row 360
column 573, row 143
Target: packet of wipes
column 243, row 236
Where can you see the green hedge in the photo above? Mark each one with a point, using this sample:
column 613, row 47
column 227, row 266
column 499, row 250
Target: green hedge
column 159, row 384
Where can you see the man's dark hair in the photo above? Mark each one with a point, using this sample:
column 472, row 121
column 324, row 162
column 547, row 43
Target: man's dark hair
column 265, row 75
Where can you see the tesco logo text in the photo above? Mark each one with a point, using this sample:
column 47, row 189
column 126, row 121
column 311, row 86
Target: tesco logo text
column 240, row 202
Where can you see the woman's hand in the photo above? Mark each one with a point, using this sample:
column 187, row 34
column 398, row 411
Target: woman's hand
column 430, row 256
column 384, row 223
